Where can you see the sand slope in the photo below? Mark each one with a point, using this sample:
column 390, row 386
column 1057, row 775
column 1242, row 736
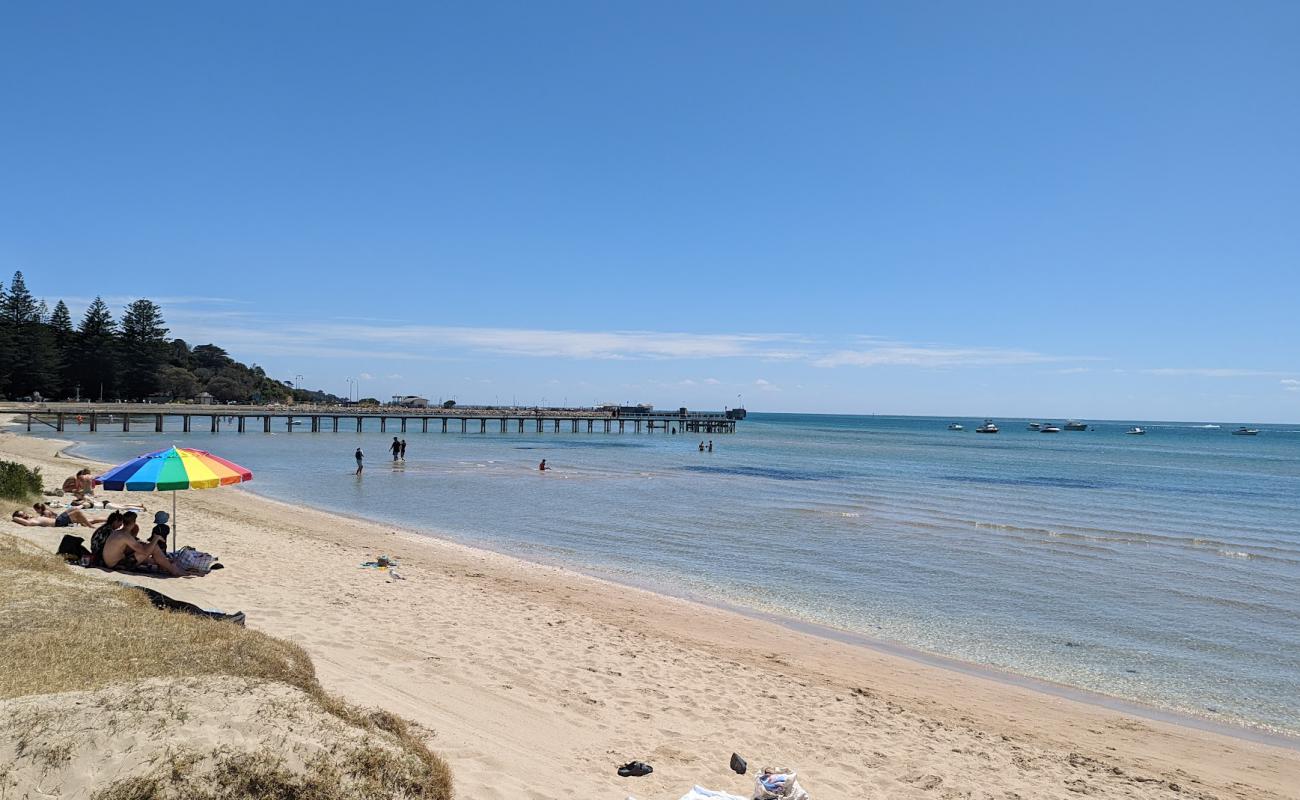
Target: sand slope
column 539, row 682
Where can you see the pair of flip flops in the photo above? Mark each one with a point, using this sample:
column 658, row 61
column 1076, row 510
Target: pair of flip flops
column 635, row 769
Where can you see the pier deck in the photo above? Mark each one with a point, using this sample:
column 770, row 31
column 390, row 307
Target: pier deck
column 90, row 418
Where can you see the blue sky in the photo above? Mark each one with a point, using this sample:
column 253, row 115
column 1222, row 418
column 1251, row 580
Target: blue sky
column 1043, row 209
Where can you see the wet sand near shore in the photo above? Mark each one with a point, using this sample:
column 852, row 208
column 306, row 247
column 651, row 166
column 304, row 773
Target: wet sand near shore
column 539, row 681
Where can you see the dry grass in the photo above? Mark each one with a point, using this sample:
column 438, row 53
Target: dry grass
column 61, row 632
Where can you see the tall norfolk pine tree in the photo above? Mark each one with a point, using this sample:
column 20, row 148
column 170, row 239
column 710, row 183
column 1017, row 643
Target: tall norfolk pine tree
column 96, row 368
column 30, row 350
column 65, row 349
column 144, row 349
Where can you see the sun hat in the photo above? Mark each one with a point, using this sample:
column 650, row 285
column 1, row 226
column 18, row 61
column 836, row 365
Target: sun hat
column 160, row 518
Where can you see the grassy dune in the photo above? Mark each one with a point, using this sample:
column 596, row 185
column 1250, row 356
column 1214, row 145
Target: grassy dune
column 104, row 696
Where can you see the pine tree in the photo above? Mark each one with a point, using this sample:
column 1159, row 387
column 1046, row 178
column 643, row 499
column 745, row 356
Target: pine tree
column 96, row 367
column 30, row 357
column 6, row 348
column 144, row 349
column 65, row 348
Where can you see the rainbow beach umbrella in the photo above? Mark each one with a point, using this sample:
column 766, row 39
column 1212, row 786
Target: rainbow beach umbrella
column 172, row 470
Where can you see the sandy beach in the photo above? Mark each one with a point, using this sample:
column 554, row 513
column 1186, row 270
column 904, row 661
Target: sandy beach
column 538, row 682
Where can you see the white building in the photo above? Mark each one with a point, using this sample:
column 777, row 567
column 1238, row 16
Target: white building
column 410, row 401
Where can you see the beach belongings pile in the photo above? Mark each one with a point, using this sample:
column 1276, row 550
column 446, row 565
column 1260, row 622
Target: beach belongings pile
column 769, row 784
column 385, row 563
column 190, row 560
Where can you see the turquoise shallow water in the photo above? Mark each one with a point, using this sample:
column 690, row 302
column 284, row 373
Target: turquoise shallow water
column 1163, row 569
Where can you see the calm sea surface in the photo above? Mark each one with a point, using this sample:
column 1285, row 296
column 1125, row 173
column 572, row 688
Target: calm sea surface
column 1163, row 568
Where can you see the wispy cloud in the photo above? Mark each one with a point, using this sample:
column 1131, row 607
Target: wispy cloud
column 238, row 330
column 882, row 353
column 1215, row 372
column 1291, row 384
column 577, row 344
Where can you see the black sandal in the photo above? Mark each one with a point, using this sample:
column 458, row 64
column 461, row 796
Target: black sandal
column 635, row 769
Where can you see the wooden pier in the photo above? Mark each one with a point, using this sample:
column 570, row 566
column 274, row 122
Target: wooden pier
column 84, row 418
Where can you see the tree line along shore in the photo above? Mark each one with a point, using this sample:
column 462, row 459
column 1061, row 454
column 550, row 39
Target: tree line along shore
column 44, row 355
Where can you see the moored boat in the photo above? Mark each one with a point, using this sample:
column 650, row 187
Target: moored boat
column 1135, row 431
column 1244, row 431
column 1035, row 426
column 1049, row 428
column 955, row 427
column 1074, row 425
column 987, row 427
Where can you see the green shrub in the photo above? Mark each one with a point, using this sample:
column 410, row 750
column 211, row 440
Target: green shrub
column 18, row 482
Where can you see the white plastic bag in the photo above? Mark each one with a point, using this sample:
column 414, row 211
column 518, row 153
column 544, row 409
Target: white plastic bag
column 779, row 784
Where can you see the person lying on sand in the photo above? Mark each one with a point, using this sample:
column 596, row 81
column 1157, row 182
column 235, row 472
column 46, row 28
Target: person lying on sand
column 124, row 552
column 71, row 516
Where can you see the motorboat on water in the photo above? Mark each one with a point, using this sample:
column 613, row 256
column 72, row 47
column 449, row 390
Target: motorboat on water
column 1074, row 425
column 1244, row 431
column 1049, row 428
column 987, row 427
column 1034, row 426
column 955, row 427
column 1135, row 431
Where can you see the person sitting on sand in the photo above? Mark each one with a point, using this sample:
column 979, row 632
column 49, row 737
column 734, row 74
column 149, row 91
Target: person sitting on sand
column 124, row 552
column 72, row 516
column 80, row 485
column 161, row 530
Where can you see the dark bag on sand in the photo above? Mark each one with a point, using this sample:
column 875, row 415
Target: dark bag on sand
column 72, row 548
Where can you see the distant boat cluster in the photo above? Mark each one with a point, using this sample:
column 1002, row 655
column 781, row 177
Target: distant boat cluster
column 990, row 426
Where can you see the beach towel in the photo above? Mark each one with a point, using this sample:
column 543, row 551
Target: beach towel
column 160, row 600
column 700, row 793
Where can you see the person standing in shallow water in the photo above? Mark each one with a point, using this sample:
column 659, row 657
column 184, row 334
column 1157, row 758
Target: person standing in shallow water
column 701, row 447
column 396, row 447
column 360, row 461
column 710, row 445
column 403, row 450
column 542, row 466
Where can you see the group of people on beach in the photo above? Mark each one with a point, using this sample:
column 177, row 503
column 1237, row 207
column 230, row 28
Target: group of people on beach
column 115, row 544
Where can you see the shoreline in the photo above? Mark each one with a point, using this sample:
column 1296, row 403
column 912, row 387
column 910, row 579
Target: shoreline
column 632, row 685
column 1150, row 711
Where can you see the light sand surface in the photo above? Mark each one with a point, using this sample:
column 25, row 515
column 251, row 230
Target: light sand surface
column 539, row 682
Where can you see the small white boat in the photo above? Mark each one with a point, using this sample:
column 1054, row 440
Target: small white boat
column 1244, row 431
column 1049, row 428
column 1135, row 431
column 1074, row 425
column 987, row 427
column 955, row 427
column 1035, row 426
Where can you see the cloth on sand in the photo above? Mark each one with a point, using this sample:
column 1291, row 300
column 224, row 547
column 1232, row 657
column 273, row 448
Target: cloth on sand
column 161, row 600
column 700, row 793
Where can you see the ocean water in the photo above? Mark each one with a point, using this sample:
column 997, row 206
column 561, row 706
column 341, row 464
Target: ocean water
column 1162, row 569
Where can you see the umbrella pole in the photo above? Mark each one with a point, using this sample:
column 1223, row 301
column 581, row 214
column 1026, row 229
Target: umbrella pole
column 173, row 520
